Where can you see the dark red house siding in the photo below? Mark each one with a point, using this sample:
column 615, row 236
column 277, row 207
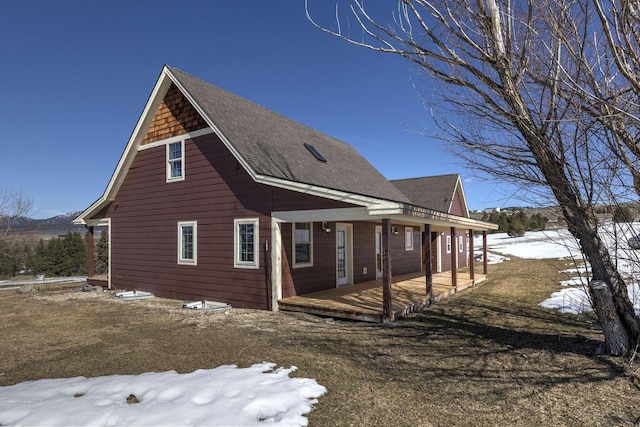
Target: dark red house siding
column 456, row 206
column 322, row 275
column 216, row 190
column 462, row 256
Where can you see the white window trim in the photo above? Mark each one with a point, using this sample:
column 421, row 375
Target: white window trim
column 293, row 242
column 408, row 245
column 461, row 244
column 168, row 162
column 255, row 264
column 448, row 244
column 188, row 261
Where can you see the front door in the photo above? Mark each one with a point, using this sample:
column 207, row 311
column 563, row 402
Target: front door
column 342, row 255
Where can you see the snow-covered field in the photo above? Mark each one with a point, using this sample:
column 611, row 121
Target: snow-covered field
column 560, row 244
column 224, row 396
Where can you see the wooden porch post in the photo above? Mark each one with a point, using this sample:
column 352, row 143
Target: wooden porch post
column 426, row 250
column 472, row 274
column 90, row 260
column 484, row 252
column 454, row 258
column 387, row 308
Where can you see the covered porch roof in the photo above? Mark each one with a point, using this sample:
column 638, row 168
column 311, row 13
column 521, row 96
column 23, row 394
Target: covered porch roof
column 398, row 213
column 385, row 213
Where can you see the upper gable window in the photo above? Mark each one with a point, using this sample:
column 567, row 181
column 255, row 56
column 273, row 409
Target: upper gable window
column 175, row 161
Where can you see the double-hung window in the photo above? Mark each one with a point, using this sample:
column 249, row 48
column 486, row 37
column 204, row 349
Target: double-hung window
column 188, row 242
column 448, row 244
column 246, row 243
column 175, row 161
column 302, row 244
column 408, row 238
column 460, row 243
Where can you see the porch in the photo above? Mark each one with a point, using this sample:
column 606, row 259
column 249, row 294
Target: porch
column 364, row 301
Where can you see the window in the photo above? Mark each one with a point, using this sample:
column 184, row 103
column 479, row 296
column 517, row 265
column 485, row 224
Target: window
column 175, row 161
column 460, row 243
column 302, row 244
column 408, row 238
column 246, row 243
column 315, row 152
column 448, row 244
column 188, row 242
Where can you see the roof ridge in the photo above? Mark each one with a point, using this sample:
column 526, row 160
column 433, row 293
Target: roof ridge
column 425, row 176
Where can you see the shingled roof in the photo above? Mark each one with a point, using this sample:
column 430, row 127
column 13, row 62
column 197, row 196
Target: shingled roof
column 432, row 192
column 273, row 145
column 278, row 151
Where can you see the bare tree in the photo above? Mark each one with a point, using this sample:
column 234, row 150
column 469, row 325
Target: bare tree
column 544, row 94
column 14, row 206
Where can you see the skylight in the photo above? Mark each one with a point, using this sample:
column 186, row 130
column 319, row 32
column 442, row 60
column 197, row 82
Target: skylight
column 315, row 152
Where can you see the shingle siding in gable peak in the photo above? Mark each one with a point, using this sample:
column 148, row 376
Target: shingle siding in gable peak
column 273, row 145
column 433, row 192
column 175, row 116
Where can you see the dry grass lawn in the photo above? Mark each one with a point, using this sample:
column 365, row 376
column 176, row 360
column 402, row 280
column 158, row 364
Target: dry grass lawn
column 487, row 356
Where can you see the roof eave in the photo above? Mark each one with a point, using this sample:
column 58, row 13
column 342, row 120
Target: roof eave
column 418, row 214
column 155, row 98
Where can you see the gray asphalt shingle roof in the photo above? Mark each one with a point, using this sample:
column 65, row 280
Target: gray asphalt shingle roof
column 433, row 192
column 273, row 145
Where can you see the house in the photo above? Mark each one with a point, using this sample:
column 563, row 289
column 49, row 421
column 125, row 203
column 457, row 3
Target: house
column 442, row 193
column 217, row 198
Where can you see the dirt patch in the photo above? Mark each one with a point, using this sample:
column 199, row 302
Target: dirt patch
column 487, row 356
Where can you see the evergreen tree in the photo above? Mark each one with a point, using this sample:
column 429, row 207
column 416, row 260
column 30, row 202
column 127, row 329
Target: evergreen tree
column 60, row 257
column 516, row 227
column 538, row 222
column 523, row 218
column 38, row 256
column 8, row 262
column 503, row 223
column 102, row 253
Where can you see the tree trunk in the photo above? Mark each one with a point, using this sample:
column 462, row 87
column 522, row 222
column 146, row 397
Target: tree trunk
column 612, row 327
column 620, row 325
column 581, row 222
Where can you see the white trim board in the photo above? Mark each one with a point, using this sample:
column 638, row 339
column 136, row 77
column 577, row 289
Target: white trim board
column 177, row 138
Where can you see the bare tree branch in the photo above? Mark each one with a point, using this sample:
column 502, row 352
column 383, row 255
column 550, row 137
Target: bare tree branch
column 526, row 92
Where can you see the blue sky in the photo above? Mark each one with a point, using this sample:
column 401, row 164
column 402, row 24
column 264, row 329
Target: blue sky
column 78, row 73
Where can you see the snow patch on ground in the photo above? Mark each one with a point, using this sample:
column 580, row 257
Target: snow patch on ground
column 576, row 300
column 224, row 396
column 570, row 300
column 560, row 244
column 574, row 281
column 491, row 258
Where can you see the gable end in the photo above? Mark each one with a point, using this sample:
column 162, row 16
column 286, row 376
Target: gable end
column 175, row 116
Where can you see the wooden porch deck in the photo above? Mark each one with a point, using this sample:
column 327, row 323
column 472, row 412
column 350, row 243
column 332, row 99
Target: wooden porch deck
column 363, row 301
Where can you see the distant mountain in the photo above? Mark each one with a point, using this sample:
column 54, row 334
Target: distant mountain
column 54, row 226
